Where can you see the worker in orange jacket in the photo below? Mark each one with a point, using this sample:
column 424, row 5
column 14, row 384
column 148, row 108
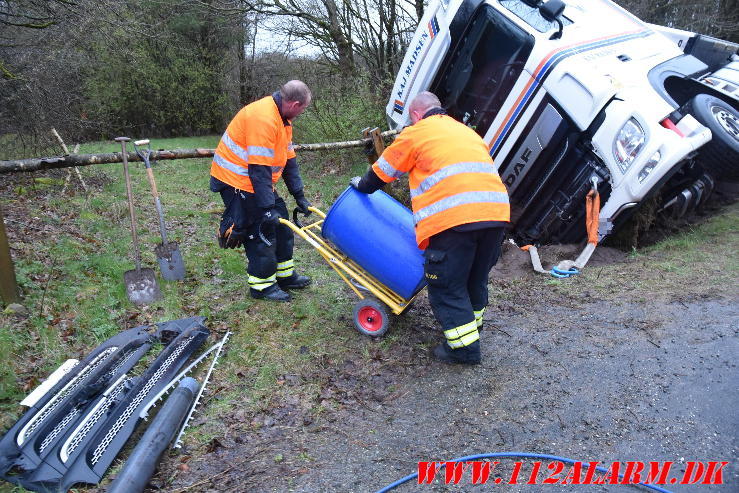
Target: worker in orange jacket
column 254, row 152
column 460, row 210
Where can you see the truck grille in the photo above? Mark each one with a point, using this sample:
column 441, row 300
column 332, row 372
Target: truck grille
column 548, row 174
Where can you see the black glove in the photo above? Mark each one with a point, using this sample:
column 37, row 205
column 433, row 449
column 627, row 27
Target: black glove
column 270, row 217
column 232, row 237
column 369, row 183
column 303, row 205
column 302, row 202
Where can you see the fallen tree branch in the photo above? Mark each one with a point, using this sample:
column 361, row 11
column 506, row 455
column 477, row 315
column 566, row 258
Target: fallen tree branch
column 68, row 161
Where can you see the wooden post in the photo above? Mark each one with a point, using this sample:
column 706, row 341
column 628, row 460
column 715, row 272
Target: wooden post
column 374, row 148
column 377, row 141
column 368, row 150
column 8, row 285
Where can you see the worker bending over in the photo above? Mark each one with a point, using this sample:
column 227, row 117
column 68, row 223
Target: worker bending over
column 254, row 152
column 460, row 210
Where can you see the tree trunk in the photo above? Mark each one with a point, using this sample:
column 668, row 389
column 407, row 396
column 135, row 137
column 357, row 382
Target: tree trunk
column 37, row 164
column 419, row 9
column 729, row 12
column 343, row 44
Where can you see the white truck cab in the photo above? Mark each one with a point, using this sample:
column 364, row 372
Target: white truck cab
column 573, row 94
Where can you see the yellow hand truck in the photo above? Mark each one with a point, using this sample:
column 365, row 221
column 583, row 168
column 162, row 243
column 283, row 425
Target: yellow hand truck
column 370, row 313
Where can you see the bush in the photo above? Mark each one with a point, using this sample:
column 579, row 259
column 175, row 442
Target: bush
column 170, row 94
column 340, row 111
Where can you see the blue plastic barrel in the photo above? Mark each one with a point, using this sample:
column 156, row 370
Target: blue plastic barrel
column 376, row 231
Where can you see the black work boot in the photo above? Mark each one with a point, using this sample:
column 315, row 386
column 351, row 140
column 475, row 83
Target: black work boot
column 469, row 355
column 296, row 281
column 272, row 293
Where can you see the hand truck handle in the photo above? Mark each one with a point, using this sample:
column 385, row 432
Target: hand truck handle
column 296, row 220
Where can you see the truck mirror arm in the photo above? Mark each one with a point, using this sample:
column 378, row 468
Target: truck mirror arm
column 558, row 34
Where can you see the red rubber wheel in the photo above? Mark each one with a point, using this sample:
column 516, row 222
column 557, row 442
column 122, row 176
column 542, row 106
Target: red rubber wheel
column 370, row 317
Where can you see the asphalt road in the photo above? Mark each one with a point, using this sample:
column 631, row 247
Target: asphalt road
column 606, row 382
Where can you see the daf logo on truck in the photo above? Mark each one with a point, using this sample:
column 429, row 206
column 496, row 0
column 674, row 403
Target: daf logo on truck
column 511, row 178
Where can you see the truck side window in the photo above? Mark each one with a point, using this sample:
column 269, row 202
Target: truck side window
column 479, row 72
column 532, row 16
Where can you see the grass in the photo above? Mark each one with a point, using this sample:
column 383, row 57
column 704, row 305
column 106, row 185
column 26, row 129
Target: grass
column 71, row 276
column 71, row 258
column 702, row 252
column 695, row 261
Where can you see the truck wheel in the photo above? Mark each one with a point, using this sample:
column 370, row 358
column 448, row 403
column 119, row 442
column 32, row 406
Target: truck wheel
column 720, row 156
column 370, row 317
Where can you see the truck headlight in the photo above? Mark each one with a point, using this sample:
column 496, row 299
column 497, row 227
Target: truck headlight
column 651, row 164
column 628, row 143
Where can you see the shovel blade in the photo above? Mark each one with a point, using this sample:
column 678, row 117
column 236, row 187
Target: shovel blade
column 141, row 286
column 170, row 261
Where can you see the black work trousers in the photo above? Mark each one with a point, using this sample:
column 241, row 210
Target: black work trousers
column 263, row 259
column 457, row 266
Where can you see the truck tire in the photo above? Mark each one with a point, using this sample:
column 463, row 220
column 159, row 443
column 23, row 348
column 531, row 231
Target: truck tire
column 720, row 156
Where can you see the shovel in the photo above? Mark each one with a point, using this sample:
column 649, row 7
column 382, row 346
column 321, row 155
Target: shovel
column 168, row 252
column 141, row 284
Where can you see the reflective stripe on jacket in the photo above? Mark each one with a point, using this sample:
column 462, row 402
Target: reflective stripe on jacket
column 452, row 177
column 256, row 135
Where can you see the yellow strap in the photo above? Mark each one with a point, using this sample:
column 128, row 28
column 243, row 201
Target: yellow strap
column 285, row 269
column 286, row 264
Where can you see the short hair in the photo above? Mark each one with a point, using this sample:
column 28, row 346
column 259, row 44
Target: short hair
column 424, row 101
column 295, row 90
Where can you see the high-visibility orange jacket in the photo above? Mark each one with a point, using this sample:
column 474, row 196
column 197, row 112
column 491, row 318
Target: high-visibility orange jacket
column 452, row 177
column 256, row 135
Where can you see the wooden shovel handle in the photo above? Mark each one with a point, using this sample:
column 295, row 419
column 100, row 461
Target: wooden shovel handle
column 150, row 174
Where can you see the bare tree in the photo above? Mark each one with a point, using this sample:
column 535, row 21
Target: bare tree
column 32, row 59
column 19, row 18
column 370, row 34
column 33, row 14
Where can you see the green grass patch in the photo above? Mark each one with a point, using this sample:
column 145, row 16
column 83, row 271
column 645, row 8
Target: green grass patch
column 692, row 262
column 71, row 278
column 717, row 230
column 705, row 249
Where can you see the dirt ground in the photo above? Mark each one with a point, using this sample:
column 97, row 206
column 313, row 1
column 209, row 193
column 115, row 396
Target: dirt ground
column 607, row 366
column 616, row 371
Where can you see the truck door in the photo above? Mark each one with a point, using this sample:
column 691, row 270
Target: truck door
column 479, row 72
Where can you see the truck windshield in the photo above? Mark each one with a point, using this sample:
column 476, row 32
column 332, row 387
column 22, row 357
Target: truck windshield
column 479, row 72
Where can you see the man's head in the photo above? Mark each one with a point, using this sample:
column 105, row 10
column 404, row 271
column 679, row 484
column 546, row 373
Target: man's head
column 421, row 104
column 295, row 98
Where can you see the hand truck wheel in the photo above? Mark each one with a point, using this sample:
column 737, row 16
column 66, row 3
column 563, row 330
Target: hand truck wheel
column 370, row 317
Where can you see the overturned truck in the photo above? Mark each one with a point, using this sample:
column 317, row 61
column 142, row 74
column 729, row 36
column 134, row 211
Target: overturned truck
column 577, row 95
